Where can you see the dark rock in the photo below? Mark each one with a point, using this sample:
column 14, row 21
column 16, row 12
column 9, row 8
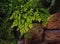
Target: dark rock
column 36, row 32
column 21, row 42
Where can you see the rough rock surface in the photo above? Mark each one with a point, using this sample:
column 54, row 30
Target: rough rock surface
column 52, row 35
column 54, row 21
column 52, row 32
column 36, row 32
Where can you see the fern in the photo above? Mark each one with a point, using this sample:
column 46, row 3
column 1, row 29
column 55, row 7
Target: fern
column 20, row 13
column 24, row 17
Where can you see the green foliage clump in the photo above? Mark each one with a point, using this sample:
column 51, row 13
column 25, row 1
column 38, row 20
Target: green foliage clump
column 22, row 14
column 26, row 13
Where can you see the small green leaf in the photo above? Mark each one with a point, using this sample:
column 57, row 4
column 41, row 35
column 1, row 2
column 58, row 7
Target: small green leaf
column 30, row 25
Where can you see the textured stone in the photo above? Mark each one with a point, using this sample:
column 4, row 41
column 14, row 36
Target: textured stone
column 52, row 35
column 54, row 21
column 36, row 32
